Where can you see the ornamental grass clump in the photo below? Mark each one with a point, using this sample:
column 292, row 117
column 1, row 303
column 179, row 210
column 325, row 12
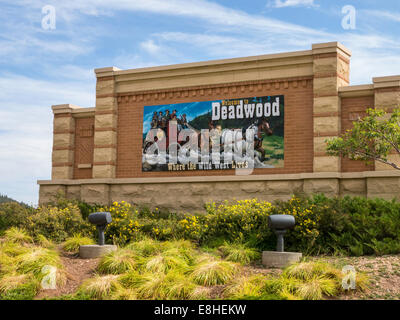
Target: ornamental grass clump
column 36, row 258
column 13, row 249
column 117, row 262
column 18, row 235
column 245, row 287
column 180, row 286
column 214, row 272
column 310, row 269
column 18, row 287
column 316, row 288
column 163, row 262
column 151, row 286
column 124, row 294
column 173, row 285
column 73, row 243
column 311, row 281
column 100, row 287
column 42, row 241
column 238, row 252
column 13, row 281
column 145, row 247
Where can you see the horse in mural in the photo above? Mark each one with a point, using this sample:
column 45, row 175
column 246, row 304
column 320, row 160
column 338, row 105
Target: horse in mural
column 218, row 139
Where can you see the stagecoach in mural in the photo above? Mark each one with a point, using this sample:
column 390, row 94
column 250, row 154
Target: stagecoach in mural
column 227, row 139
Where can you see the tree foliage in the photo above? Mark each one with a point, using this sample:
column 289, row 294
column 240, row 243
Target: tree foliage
column 372, row 138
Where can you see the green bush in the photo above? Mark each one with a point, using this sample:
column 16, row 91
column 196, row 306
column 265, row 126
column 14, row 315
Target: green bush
column 13, row 214
column 58, row 224
column 349, row 225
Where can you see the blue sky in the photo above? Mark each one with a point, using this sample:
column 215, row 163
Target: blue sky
column 39, row 68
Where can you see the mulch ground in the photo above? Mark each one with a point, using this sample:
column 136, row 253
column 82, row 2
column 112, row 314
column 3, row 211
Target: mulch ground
column 77, row 271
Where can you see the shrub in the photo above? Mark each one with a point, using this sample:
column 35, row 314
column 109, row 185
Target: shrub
column 13, row 214
column 73, row 243
column 58, row 224
column 125, row 226
column 348, row 225
column 239, row 221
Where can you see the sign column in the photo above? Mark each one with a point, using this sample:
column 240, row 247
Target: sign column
column 105, row 127
column 331, row 71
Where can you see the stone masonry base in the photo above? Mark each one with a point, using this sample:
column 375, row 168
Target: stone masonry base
column 190, row 194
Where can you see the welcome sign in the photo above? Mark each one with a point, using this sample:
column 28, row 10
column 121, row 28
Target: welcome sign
column 204, row 135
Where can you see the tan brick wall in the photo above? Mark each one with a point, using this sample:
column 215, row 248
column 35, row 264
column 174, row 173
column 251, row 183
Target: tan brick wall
column 84, row 146
column 298, row 130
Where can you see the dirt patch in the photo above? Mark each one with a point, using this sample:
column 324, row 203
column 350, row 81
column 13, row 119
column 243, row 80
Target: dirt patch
column 383, row 273
column 77, row 270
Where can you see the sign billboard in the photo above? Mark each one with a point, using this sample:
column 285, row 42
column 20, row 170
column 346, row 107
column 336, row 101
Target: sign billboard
column 209, row 135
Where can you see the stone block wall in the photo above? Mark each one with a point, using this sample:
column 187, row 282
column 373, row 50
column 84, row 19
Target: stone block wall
column 191, row 195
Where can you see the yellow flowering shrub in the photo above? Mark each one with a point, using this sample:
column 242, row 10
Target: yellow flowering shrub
column 237, row 221
column 57, row 223
column 305, row 231
column 125, row 225
column 192, row 227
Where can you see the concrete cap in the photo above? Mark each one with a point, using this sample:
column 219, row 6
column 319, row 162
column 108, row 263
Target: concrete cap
column 104, row 72
column 331, row 46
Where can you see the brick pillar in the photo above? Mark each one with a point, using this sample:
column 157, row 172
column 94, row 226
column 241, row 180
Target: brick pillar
column 387, row 97
column 331, row 70
column 105, row 126
column 63, row 141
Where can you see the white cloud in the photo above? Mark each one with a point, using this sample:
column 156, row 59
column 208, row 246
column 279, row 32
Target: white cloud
column 393, row 16
column 150, row 47
column 293, row 3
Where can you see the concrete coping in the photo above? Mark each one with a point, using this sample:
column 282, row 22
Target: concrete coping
column 271, row 177
column 64, row 108
column 215, row 63
column 357, row 90
column 331, row 46
column 386, row 82
column 325, row 47
column 76, row 111
column 105, row 72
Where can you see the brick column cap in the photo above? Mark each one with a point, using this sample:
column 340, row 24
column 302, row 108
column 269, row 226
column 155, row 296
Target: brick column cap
column 386, row 82
column 64, row 108
column 328, row 47
column 105, row 72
